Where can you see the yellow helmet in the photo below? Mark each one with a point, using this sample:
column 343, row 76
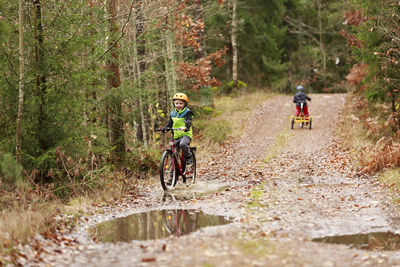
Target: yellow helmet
column 181, row 96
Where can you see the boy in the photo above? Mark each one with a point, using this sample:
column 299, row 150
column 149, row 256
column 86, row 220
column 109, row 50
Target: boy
column 181, row 117
column 301, row 97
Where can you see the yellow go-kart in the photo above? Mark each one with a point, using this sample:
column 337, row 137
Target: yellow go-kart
column 302, row 119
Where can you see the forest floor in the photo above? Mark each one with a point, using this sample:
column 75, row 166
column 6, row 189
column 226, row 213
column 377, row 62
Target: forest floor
column 281, row 189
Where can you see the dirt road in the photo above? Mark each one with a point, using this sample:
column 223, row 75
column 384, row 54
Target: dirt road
column 281, row 188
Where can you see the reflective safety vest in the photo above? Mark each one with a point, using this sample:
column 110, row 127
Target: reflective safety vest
column 178, row 117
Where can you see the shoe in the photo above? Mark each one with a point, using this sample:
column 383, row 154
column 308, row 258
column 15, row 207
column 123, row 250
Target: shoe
column 169, row 182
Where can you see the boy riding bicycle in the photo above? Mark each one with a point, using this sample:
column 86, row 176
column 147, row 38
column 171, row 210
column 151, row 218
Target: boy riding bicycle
column 299, row 98
column 181, row 117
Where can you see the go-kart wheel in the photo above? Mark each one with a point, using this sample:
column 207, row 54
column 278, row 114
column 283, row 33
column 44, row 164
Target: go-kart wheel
column 292, row 122
column 310, row 122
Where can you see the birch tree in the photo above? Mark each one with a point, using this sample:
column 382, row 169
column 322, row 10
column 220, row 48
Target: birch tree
column 21, row 82
column 234, row 47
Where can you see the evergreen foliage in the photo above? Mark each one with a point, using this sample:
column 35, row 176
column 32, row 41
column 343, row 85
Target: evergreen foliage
column 375, row 27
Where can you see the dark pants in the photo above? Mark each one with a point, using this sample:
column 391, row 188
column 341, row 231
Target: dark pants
column 183, row 143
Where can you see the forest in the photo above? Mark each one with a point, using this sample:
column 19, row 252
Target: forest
column 84, row 83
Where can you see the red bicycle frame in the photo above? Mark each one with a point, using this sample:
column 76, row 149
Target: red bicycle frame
column 177, row 153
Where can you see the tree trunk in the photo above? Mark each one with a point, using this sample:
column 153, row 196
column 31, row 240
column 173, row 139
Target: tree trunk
column 234, row 47
column 321, row 41
column 40, row 75
column 168, row 79
column 198, row 15
column 21, row 83
column 114, row 81
column 139, row 54
column 169, row 60
column 171, row 57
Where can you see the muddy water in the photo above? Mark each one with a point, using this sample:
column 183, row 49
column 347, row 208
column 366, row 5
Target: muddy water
column 156, row 224
column 371, row 241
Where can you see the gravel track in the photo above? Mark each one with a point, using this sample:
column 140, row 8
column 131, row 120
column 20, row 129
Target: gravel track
column 281, row 187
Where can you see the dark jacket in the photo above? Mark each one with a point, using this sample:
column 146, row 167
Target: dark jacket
column 301, row 97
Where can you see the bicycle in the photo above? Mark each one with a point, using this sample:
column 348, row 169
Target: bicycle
column 180, row 222
column 301, row 118
column 171, row 165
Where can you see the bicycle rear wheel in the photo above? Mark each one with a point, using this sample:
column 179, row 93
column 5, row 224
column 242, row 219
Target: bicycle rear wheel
column 168, row 171
column 190, row 173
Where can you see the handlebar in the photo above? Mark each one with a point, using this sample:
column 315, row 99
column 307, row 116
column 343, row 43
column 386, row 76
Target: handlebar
column 168, row 129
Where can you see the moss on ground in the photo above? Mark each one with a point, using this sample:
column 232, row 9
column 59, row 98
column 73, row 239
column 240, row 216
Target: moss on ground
column 281, row 141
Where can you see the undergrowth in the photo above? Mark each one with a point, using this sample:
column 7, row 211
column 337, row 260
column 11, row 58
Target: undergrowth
column 391, row 177
column 371, row 133
column 24, row 213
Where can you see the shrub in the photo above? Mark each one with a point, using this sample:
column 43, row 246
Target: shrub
column 375, row 95
column 143, row 161
column 227, row 88
column 207, row 110
column 218, row 131
column 11, row 171
column 200, row 125
column 385, row 154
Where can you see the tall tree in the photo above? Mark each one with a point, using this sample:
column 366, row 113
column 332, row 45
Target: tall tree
column 21, row 82
column 114, row 82
column 140, row 66
column 374, row 35
column 234, row 47
column 41, row 85
column 199, row 17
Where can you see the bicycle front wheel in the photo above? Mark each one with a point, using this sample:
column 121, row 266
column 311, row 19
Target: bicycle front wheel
column 168, row 171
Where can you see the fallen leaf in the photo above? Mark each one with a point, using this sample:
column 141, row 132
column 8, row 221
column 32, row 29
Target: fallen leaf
column 148, row 259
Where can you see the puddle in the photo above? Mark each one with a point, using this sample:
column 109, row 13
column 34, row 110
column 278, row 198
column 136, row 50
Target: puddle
column 372, row 241
column 156, row 224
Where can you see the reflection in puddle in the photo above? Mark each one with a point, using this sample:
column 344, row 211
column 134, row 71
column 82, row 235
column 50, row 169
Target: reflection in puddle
column 370, row 241
column 155, row 224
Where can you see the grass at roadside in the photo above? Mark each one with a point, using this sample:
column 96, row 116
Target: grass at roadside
column 363, row 146
column 352, row 132
column 237, row 110
column 23, row 215
column 225, row 121
column 29, row 212
column 391, row 177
